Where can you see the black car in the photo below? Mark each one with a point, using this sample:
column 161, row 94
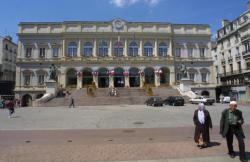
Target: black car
column 174, row 101
column 154, row 101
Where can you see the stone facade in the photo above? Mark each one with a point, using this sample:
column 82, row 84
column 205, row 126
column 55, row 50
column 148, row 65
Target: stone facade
column 232, row 57
column 8, row 55
column 116, row 53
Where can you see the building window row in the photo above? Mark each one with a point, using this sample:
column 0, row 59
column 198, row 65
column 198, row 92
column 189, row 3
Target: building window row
column 204, row 77
column 190, row 52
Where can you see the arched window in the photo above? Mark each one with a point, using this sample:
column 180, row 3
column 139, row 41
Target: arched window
column 133, row 49
column 72, row 49
column 163, row 49
column 148, row 49
column 118, row 49
column 103, row 49
column 87, row 49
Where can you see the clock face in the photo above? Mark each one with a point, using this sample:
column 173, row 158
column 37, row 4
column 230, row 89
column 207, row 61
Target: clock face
column 118, row 24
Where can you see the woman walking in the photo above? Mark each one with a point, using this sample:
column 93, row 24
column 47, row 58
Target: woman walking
column 202, row 122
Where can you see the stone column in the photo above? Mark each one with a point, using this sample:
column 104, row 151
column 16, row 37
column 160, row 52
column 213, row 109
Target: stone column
column 95, row 79
column 79, row 49
column 126, row 48
column 157, row 84
column 172, row 78
column 79, row 80
column 141, row 48
column 95, row 48
column 142, row 78
column 155, row 48
column 170, row 51
column 110, row 48
column 63, row 79
column 63, row 48
column 18, row 76
column 127, row 81
column 35, row 51
column 111, row 81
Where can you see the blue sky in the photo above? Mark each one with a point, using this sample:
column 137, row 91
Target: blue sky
column 174, row 11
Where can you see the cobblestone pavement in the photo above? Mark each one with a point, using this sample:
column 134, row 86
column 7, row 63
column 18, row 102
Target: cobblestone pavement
column 113, row 133
column 110, row 145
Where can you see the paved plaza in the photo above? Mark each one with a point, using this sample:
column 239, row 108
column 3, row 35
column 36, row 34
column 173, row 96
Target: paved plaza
column 111, row 133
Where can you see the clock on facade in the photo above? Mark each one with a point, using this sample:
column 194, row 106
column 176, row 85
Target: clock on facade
column 118, row 24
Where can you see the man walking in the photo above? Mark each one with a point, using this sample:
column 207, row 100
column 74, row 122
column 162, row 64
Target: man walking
column 10, row 105
column 231, row 124
column 72, row 102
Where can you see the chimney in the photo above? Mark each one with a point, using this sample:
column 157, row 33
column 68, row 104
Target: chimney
column 9, row 38
column 225, row 22
column 248, row 5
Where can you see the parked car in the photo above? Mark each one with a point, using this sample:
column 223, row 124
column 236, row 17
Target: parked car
column 225, row 99
column 154, row 101
column 206, row 101
column 174, row 101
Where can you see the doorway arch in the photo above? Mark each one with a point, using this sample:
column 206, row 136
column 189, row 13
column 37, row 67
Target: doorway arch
column 87, row 77
column 26, row 100
column 134, row 77
column 205, row 93
column 149, row 76
column 164, row 76
column 103, row 78
column 119, row 79
column 71, row 79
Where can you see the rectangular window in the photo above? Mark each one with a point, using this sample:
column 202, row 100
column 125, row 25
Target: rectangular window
column 41, row 79
column 239, row 66
column 28, row 52
column 224, row 70
column 190, row 52
column 55, row 51
column 42, row 53
column 231, row 68
column 27, row 80
column 202, row 52
column 204, row 77
column 191, row 76
column 178, row 52
column 248, row 65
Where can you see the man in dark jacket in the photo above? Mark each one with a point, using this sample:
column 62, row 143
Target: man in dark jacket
column 230, row 124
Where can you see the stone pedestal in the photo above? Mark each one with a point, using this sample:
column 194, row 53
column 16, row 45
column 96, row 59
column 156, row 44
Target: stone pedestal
column 185, row 84
column 51, row 87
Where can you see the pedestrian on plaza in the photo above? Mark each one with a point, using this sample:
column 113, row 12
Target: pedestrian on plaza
column 202, row 122
column 10, row 106
column 231, row 124
column 72, row 102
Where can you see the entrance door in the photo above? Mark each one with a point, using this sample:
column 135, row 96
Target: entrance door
column 134, row 77
column 119, row 80
column 103, row 78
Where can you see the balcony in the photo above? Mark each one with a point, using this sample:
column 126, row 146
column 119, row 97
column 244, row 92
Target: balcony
column 94, row 60
column 230, row 59
column 246, row 54
column 233, row 73
column 223, row 61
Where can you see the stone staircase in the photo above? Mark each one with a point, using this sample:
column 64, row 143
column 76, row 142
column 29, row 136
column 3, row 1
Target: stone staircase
column 126, row 96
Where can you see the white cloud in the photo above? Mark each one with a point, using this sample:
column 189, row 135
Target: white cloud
column 122, row 3
column 152, row 2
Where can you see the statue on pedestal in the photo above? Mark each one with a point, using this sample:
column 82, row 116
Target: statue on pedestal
column 183, row 70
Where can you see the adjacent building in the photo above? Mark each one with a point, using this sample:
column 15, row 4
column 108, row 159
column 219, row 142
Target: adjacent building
column 232, row 57
column 114, row 53
column 8, row 55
